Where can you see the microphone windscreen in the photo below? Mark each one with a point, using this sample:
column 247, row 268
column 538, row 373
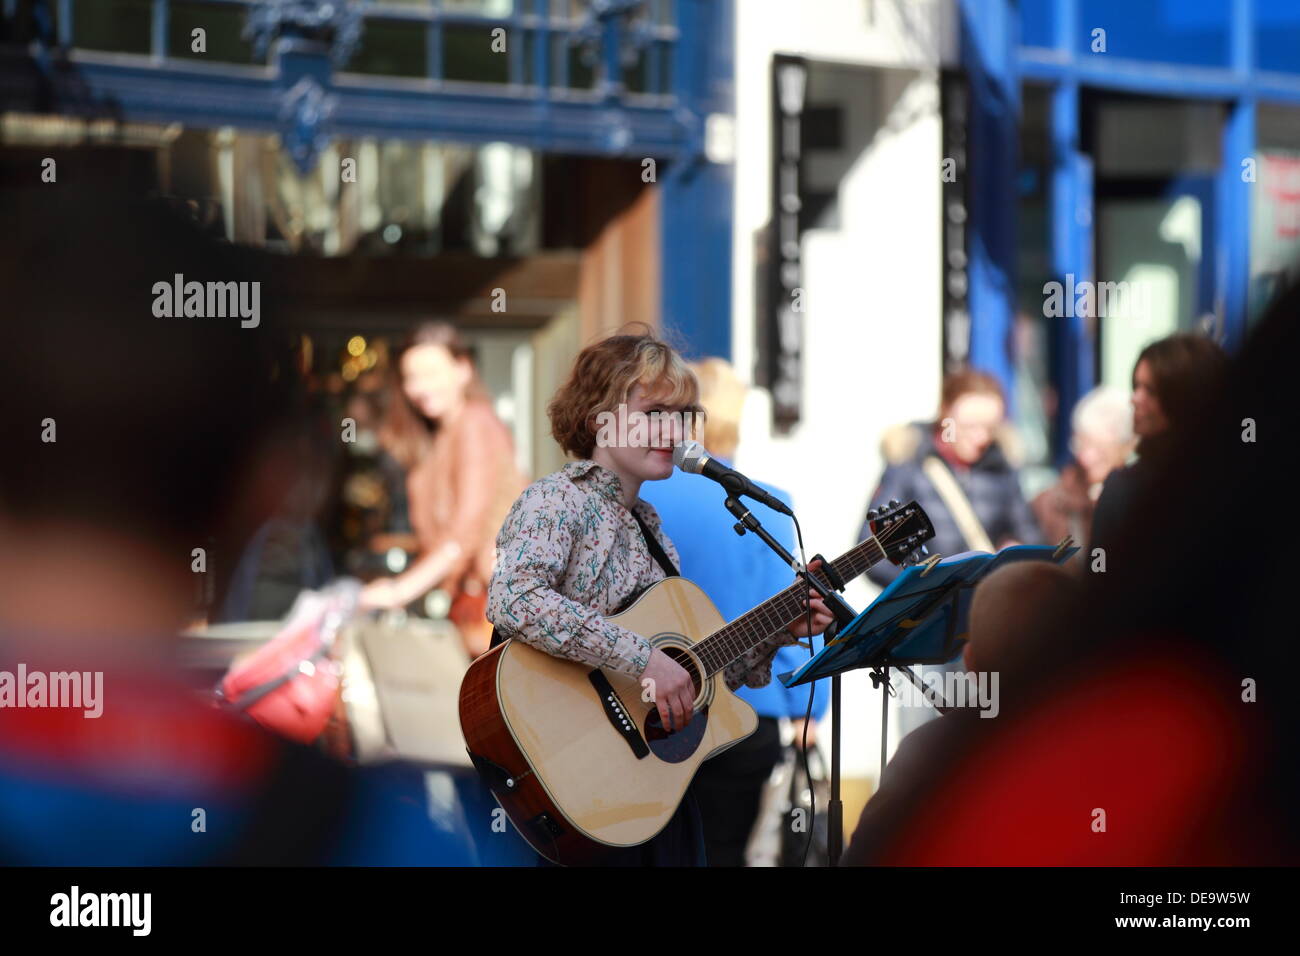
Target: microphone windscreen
column 688, row 456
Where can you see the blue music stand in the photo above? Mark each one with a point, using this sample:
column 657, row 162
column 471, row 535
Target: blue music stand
column 920, row 618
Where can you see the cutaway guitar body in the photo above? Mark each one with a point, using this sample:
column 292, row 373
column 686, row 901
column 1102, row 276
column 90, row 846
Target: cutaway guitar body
column 578, row 772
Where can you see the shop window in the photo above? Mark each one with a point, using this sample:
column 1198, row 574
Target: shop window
column 1157, row 162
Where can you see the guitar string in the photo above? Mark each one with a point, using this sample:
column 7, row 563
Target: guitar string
column 775, row 611
column 736, row 637
column 771, row 614
column 732, row 640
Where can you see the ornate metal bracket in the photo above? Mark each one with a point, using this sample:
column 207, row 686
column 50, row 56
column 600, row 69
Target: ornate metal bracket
column 336, row 23
column 304, row 121
column 635, row 35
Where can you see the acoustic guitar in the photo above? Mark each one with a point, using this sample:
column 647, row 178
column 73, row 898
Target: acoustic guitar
column 578, row 757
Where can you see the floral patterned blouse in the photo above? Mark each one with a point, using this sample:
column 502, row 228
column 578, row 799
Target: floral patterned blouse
column 570, row 553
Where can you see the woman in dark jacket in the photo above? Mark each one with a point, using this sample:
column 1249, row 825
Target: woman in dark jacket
column 966, row 449
column 1174, row 381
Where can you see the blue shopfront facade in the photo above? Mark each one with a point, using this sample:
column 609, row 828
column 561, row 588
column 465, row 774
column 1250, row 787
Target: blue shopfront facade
column 1073, row 102
column 629, row 79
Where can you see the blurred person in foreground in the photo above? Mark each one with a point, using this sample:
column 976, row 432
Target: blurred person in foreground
column 1014, row 603
column 130, row 439
column 1101, row 441
column 461, row 478
column 737, row 574
column 1171, row 378
column 1152, row 723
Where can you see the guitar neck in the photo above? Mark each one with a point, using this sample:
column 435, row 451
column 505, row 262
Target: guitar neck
column 753, row 627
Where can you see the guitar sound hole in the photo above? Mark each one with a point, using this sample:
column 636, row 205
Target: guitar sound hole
column 677, row 745
column 674, row 746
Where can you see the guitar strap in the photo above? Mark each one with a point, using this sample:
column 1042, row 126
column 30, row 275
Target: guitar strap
column 656, row 551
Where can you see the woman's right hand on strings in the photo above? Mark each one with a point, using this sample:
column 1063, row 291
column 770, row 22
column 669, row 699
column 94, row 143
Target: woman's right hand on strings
column 671, row 689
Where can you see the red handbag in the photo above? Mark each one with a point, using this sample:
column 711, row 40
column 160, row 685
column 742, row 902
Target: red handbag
column 291, row 684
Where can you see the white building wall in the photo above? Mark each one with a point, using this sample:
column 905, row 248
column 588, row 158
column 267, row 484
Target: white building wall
column 872, row 286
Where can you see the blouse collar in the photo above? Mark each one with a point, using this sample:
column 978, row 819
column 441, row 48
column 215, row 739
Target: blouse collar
column 601, row 479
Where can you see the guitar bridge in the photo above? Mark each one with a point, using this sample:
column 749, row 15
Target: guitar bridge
column 617, row 714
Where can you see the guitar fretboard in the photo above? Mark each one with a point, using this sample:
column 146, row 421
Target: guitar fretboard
column 754, row 626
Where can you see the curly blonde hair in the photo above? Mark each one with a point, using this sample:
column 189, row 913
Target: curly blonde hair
column 602, row 378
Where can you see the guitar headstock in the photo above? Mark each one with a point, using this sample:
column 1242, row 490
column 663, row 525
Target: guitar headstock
column 900, row 529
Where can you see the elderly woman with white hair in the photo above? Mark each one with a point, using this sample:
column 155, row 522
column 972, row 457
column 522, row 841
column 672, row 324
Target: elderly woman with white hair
column 1102, row 441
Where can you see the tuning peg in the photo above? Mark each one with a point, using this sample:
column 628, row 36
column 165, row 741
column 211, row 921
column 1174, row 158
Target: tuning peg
column 894, row 503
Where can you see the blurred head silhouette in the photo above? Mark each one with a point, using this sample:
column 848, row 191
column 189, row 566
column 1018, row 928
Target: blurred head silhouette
column 1014, row 604
column 130, row 439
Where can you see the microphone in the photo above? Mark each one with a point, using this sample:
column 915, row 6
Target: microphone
column 693, row 457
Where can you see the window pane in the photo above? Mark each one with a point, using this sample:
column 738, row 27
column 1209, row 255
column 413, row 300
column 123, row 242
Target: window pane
column 483, row 8
column 638, row 77
column 391, row 48
column 21, row 27
column 120, row 25
column 582, row 75
column 222, row 25
column 468, row 54
column 529, row 58
column 569, row 9
column 1155, row 137
column 1154, row 245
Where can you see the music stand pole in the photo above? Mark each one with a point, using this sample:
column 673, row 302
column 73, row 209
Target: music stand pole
column 884, row 724
column 835, row 812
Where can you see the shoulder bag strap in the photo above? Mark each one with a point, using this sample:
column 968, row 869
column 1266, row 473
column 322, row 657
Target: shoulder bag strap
column 958, row 504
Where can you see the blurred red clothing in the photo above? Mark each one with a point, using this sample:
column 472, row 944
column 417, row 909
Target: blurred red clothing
column 1144, row 763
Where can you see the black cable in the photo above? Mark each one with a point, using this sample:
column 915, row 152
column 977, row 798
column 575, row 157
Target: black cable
column 807, row 772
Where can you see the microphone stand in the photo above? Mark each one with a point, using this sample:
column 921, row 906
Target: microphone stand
column 843, row 614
